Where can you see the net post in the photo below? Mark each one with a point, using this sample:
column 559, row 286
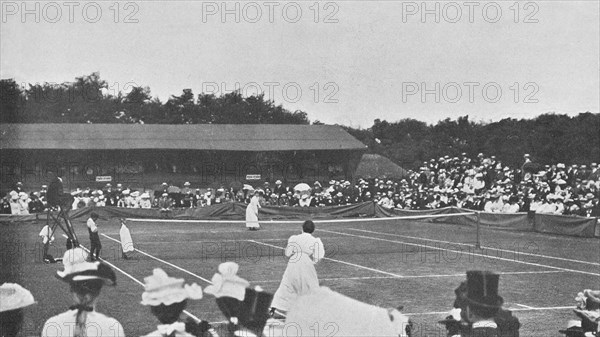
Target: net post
column 478, row 224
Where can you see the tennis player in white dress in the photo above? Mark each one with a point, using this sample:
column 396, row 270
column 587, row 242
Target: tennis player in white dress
column 252, row 212
column 300, row 276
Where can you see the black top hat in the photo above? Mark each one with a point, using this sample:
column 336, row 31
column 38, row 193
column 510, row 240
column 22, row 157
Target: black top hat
column 482, row 289
column 573, row 329
column 252, row 312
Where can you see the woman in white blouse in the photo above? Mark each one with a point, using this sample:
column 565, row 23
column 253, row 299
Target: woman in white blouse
column 252, row 212
column 300, row 276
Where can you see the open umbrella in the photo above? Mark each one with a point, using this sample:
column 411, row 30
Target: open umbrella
column 236, row 185
column 248, row 187
column 302, row 187
column 173, row 189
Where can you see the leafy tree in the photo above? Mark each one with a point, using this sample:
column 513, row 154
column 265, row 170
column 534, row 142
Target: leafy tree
column 11, row 101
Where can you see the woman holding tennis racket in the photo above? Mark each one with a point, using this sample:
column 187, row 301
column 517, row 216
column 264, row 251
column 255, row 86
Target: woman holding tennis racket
column 300, row 276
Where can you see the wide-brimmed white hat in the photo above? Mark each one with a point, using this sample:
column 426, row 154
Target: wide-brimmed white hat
column 78, row 269
column 14, row 296
column 226, row 283
column 160, row 288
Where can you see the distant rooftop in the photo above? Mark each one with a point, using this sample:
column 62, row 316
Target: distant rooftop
column 218, row 137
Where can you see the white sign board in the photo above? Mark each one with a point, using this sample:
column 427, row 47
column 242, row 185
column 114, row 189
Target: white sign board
column 103, row 178
column 252, row 176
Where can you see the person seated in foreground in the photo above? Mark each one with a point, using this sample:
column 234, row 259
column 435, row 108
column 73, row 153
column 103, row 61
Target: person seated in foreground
column 246, row 309
column 478, row 309
column 167, row 297
column 13, row 299
column 85, row 280
column 588, row 312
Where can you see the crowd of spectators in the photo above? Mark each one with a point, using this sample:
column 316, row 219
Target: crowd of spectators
column 481, row 183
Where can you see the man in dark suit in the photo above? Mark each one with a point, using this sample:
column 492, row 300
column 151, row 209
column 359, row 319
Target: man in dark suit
column 56, row 195
column 481, row 313
column 63, row 201
column 279, row 188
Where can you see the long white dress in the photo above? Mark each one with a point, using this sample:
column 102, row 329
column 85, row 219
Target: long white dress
column 126, row 240
column 327, row 313
column 300, row 276
column 252, row 213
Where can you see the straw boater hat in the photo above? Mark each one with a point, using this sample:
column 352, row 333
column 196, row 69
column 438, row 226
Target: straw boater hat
column 226, row 283
column 78, row 269
column 160, row 288
column 13, row 297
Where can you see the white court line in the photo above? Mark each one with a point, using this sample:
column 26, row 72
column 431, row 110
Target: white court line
column 461, row 252
column 409, row 217
column 202, row 241
column 523, row 305
column 133, row 278
column 338, row 261
column 416, row 276
column 515, row 309
column 484, row 247
column 163, row 261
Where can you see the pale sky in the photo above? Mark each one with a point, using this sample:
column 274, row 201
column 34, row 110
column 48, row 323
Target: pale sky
column 369, row 59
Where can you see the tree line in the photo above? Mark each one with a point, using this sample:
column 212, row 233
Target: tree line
column 89, row 100
column 549, row 138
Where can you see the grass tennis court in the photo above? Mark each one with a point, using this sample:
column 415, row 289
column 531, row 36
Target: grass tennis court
column 387, row 263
